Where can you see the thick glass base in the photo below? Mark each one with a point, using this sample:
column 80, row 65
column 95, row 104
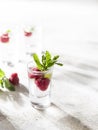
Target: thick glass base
column 40, row 103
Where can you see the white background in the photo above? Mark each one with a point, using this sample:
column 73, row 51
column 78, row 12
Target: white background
column 64, row 27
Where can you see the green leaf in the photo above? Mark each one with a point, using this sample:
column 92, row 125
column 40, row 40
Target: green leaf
column 8, row 85
column 46, row 61
column 1, row 83
column 60, row 64
column 32, row 29
column 8, row 31
column 43, row 60
column 56, row 57
column 50, row 65
column 48, row 56
column 37, row 61
column 2, row 74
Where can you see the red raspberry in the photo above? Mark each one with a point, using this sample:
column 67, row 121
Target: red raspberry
column 5, row 38
column 14, row 79
column 27, row 34
column 33, row 74
column 42, row 83
column 5, row 34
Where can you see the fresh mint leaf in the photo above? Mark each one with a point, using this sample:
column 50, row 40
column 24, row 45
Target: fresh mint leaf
column 32, row 29
column 2, row 74
column 8, row 85
column 50, row 64
column 56, row 57
column 48, row 56
column 8, row 31
column 4, row 81
column 1, row 83
column 46, row 61
column 43, row 60
column 37, row 61
column 60, row 64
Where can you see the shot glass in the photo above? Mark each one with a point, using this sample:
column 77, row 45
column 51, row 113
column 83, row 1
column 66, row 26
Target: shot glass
column 32, row 41
column 39, row 86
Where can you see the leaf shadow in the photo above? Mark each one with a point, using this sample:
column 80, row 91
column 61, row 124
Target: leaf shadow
column 64, row 120
column 74, row 123
column 16, row 96
column 78, row 77
column 5, row 124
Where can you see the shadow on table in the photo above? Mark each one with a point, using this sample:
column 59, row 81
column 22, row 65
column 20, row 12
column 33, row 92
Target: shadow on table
column 78, row 77
column 22, row 89
column 62, row 119
column 74, row 123
column 5, row 124
column 78, row 71
column 18, row 96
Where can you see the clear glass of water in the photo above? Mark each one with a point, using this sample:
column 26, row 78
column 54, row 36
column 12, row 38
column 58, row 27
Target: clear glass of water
column 7, row 49
column 39, row 86
column 32, row 41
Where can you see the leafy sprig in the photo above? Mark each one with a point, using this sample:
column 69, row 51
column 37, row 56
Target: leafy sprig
column 4, row 82
column 46, row 61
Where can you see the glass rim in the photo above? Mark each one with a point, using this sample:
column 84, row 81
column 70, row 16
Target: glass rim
column 40, row 71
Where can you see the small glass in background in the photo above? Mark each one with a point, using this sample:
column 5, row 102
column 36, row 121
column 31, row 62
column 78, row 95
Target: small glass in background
column 7, row 48
column 32, row 41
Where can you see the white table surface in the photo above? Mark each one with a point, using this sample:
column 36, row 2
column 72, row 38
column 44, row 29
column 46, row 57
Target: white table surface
column 74, row 98
column 72, row 32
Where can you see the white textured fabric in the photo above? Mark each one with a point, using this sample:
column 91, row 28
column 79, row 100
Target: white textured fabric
column 74, row 100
